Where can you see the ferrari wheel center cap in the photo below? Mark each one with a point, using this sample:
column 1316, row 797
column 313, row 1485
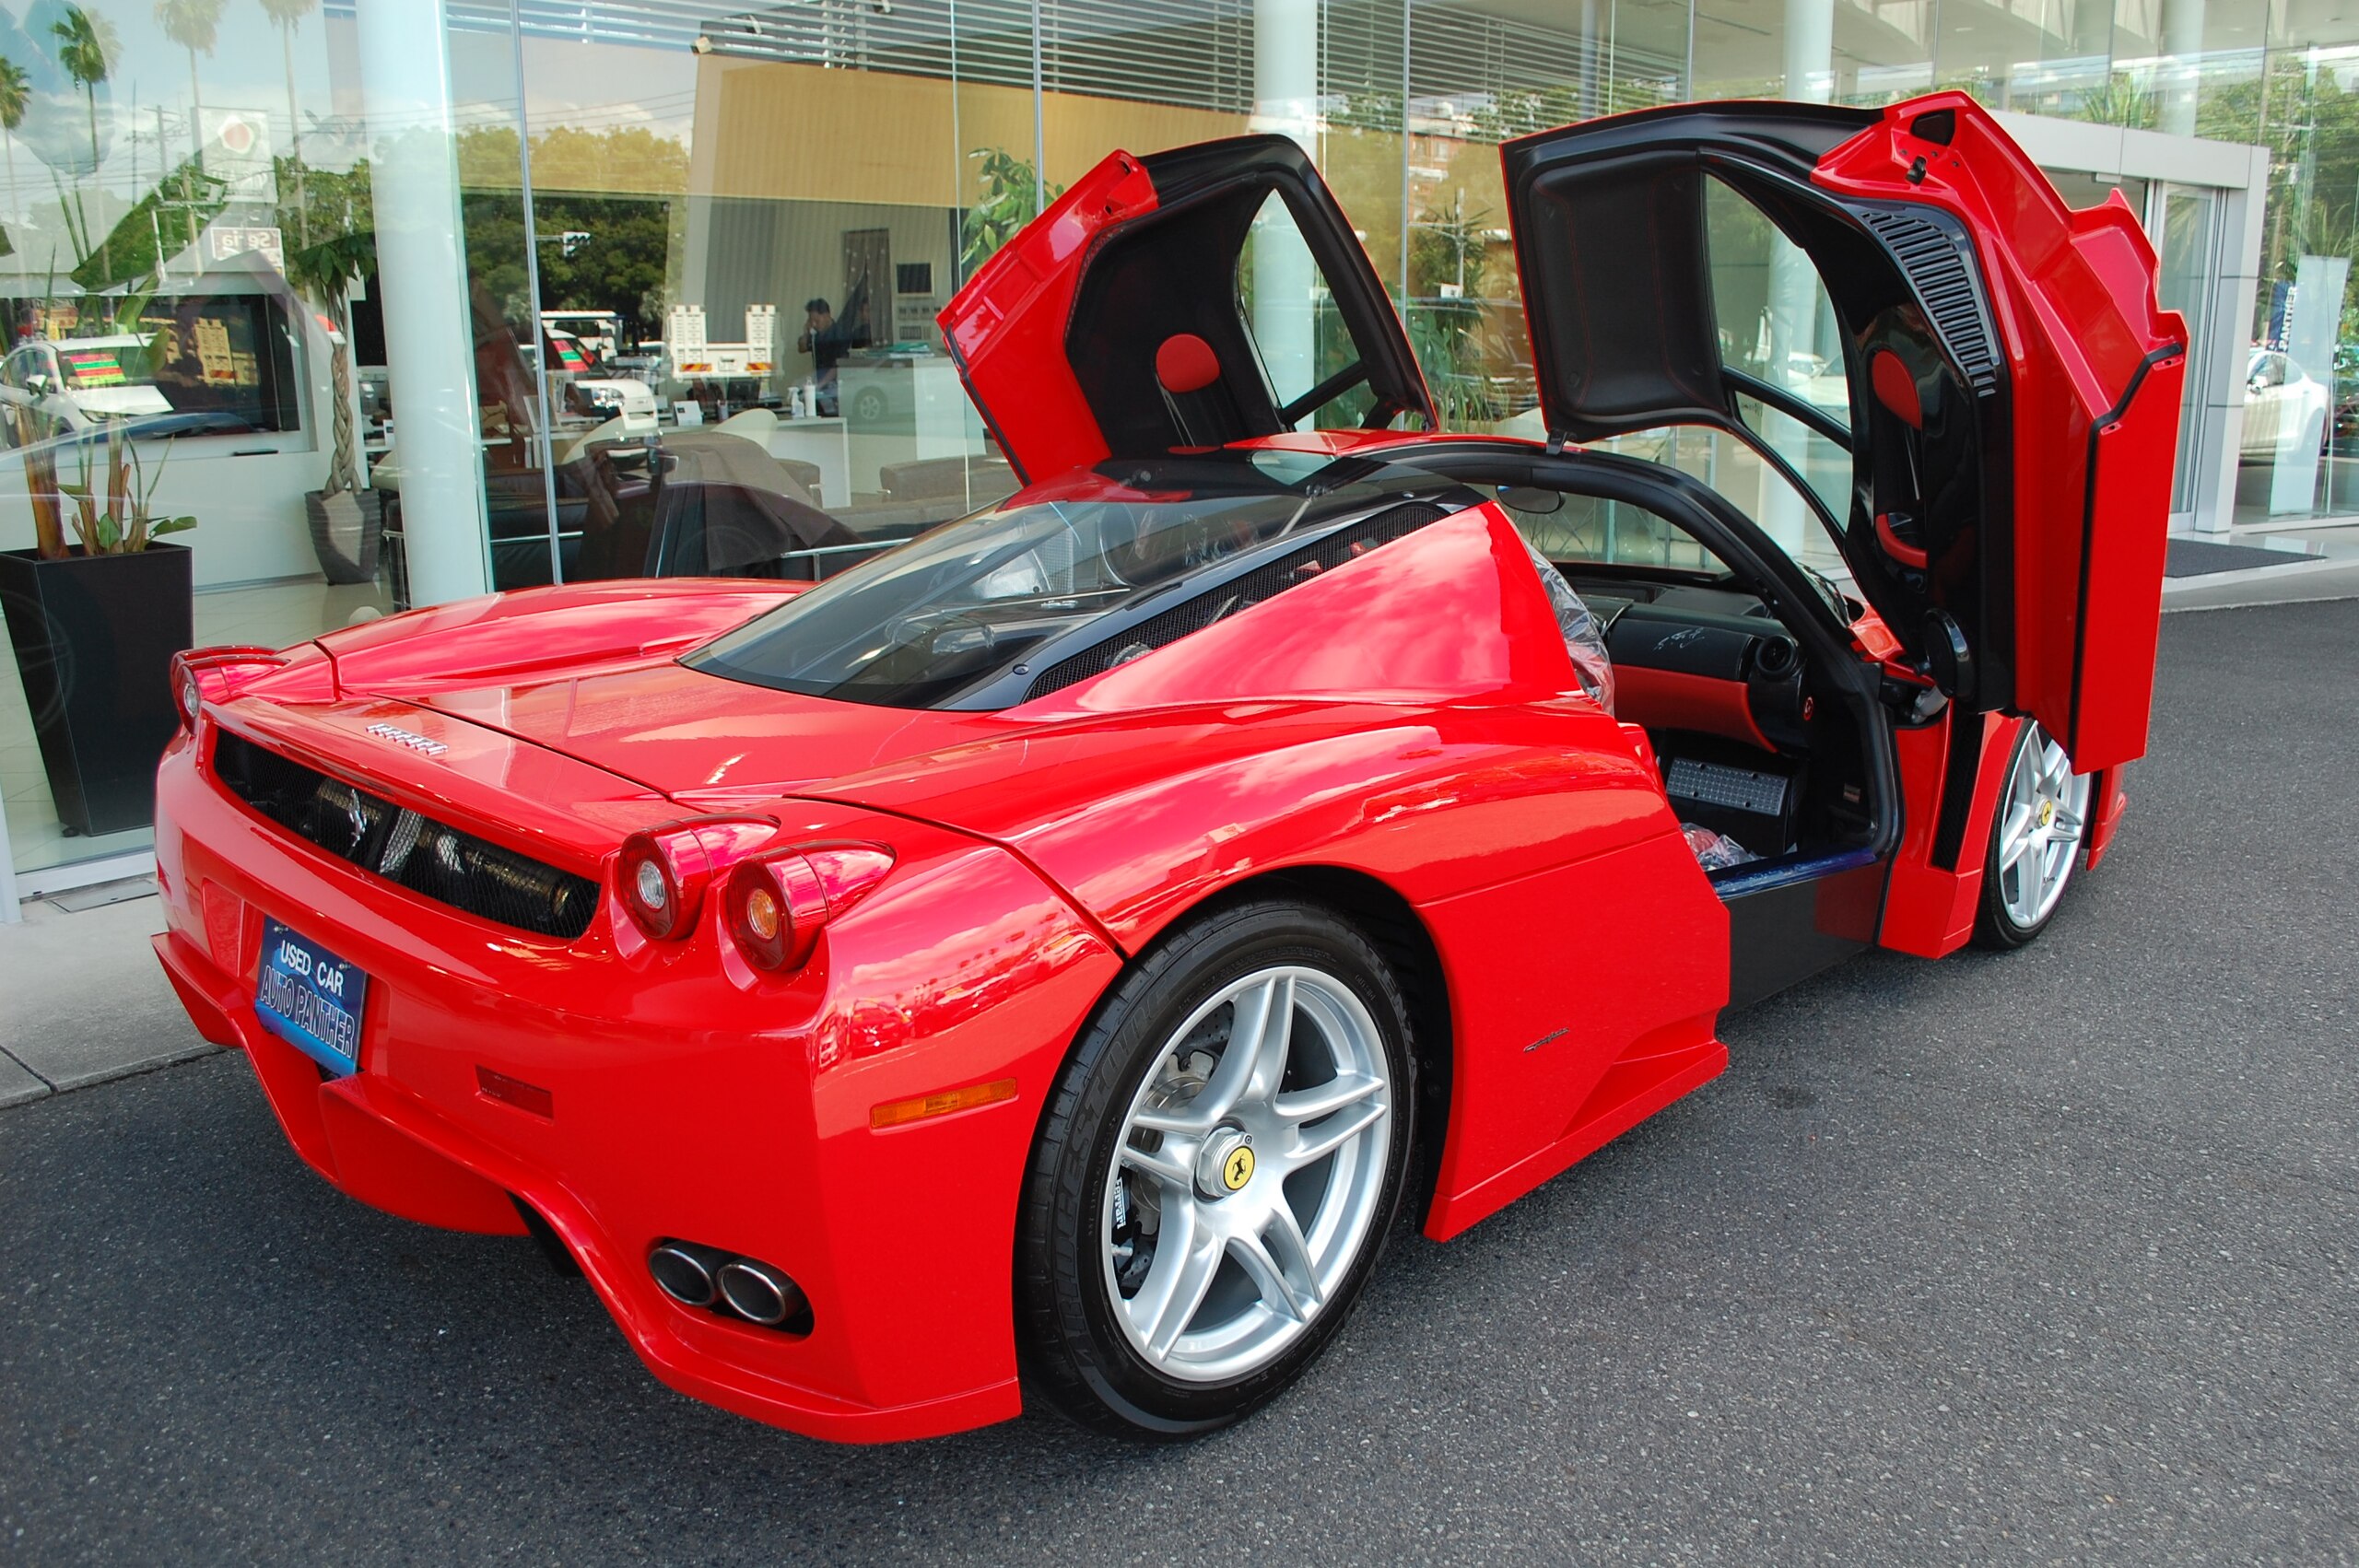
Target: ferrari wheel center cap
column 2046, row 812
column 1226, row 1164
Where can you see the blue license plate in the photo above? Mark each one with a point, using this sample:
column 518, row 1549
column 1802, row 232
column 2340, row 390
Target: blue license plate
column 310, row 998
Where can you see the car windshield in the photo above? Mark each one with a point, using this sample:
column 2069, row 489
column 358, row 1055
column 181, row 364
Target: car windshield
column 951, row 610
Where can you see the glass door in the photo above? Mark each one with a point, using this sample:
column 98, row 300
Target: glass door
column 2184, row 222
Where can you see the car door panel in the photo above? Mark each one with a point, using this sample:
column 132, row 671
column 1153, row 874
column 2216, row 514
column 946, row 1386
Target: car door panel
column 1005, row 328
column 2096, row 365
column 1058, row 336
column 2001, row 347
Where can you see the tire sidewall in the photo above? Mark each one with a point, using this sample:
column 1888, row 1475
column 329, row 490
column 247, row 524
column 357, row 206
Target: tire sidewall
column 1084, row 1356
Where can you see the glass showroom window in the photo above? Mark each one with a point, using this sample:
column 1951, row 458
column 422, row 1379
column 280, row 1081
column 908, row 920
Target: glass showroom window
column 186, row 229
column 704, row 258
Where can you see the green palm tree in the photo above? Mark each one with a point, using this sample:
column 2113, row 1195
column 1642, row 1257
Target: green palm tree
column 86, row 49
column 287, row 14
column 16, row 96
column 195, row 26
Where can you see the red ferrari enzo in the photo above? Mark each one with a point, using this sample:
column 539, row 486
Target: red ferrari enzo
column 1049, row 954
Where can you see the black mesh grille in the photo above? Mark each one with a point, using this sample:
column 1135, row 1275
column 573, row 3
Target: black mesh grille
column 429, row 858
column 1239, row 593
column 1930, row 255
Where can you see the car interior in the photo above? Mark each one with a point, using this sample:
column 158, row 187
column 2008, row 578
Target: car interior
column 1758, row 741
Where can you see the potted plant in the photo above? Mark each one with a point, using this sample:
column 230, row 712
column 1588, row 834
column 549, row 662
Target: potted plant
column 1011, row 195
column 95, row 619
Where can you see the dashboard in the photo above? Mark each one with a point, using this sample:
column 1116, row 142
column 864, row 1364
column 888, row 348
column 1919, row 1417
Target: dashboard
column 1704, row 661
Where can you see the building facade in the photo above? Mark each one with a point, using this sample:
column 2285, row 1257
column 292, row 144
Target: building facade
column 402, row 301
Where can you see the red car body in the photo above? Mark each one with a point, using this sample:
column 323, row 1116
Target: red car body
column 625, row 1089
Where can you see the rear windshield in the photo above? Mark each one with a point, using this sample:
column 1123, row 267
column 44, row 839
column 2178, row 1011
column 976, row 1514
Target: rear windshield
column 952, row 611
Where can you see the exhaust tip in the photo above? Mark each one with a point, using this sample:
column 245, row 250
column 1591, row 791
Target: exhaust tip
column 684, row 1272
column 758, row 1293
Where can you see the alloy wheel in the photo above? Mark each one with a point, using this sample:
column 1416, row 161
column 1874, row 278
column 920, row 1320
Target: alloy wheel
column 2043, row 818
column 1250, row 1167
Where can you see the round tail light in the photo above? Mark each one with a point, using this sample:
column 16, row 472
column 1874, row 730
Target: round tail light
column 223, row 667
column 661, row 881
column 777, row 903
column 661, row 874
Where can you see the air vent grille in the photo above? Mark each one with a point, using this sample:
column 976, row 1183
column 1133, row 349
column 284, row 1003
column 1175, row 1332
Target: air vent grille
column 429, row 858
column 1239, row 593
column 1937, row 269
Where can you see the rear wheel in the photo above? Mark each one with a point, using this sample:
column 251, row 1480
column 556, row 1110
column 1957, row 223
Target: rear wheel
column 2035, row 840
column 1216, row 1173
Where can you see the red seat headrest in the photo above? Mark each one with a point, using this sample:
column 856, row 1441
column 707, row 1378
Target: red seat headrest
column 1186, row 363
column 1896, row 388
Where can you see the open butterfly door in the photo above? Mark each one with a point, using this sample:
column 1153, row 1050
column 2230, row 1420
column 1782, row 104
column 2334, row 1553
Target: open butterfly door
column 2014, row 387
column 1183, row 299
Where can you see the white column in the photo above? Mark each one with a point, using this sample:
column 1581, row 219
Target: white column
column 1285, row 102
column 422, row 282
column 1810, row 50
column 10, row 911
column 2182, row 50
column 1794, row 290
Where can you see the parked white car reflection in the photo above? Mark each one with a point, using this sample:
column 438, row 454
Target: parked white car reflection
column 2284, row 405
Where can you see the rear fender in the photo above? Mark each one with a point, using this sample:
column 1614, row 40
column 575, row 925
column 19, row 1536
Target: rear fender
column 1583, row 951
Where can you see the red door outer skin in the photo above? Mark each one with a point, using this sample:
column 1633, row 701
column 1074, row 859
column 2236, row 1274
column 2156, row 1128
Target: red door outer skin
column 2072, row 297
column 1007, row 327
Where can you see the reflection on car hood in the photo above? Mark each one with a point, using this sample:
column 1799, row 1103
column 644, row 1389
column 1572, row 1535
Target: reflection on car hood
column 676, row 731
column 589, row 671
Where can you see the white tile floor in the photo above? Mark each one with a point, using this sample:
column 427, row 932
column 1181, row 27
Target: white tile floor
column 271, row 614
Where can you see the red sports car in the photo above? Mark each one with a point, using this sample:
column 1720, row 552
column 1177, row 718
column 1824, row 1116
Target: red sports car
column 1047, row 955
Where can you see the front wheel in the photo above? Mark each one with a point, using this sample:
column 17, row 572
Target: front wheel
column 2035, row 840
column 1216, row 1173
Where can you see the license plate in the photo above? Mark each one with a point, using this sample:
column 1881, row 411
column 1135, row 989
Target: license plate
column 310, row 998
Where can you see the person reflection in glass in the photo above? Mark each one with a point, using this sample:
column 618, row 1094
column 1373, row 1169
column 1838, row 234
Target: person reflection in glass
column 827, row 342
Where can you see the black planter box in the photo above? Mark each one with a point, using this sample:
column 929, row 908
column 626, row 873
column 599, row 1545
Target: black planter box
column 94, row 638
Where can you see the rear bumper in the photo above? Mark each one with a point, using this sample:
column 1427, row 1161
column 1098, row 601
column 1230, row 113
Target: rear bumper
column 685, row 1103
column 390, row 1148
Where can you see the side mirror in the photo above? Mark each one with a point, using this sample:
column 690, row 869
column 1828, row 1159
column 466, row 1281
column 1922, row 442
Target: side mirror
column 1947, row 658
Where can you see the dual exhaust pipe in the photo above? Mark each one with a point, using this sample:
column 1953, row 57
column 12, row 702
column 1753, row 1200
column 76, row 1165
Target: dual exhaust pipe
column 730, row 1285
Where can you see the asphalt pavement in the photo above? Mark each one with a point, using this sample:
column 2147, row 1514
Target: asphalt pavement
column 2048, row 1256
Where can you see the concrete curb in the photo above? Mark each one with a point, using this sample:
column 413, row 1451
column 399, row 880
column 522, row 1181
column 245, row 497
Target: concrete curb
column 85, row 1000
column 2298, row 581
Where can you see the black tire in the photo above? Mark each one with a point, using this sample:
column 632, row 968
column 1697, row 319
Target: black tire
column 1073, row 1352
column 1995, row 927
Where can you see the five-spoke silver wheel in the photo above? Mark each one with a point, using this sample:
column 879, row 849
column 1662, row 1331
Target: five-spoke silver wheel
column 2043, row 815
column 1249, row 1169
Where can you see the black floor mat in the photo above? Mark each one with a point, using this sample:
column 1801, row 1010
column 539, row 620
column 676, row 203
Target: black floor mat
column 2197, row 557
